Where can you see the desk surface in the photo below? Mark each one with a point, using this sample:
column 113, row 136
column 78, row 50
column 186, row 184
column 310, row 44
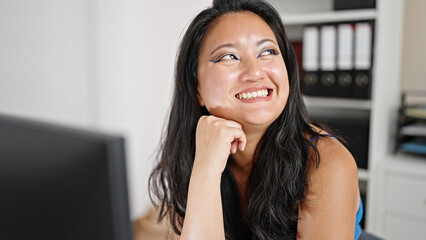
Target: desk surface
column 147, row 227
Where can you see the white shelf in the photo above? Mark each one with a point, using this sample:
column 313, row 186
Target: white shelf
column 328, row 17
column 409, row 164
column 363, row 174
column 342, row 103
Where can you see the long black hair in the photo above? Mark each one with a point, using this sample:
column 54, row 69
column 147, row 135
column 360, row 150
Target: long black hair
column 277, row 182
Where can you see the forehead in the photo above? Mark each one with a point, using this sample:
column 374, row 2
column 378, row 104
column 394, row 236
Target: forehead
column 234, row 27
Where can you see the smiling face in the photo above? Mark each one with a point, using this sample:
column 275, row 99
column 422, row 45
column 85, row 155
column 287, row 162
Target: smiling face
column 241, row 72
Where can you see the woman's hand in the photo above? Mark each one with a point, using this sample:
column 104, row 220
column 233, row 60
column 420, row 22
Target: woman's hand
column 216, row 138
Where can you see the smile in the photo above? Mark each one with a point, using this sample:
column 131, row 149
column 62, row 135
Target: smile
column 251, row 95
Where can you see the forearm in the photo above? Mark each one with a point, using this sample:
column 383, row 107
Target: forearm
column 203, row 218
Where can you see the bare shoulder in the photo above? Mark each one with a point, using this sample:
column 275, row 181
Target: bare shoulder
column 335, row 158
column 332, row 197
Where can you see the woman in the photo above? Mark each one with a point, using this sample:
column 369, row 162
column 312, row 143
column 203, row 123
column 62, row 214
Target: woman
column 240, row 159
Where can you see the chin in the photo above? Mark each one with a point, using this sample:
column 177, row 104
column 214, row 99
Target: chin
column 259, row 120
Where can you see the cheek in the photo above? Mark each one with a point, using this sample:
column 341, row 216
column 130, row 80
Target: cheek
column 216, row 88
column 278, row 74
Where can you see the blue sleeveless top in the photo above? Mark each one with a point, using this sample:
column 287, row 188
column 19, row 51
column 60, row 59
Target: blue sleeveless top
column 360, row 211
column 358, row 220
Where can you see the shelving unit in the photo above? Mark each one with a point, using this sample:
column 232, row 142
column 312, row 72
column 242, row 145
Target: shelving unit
column 386, row 171
column 295, row 22
column 342, row 103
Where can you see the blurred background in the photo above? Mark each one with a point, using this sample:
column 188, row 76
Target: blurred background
column 95, row 64
column 108, row 65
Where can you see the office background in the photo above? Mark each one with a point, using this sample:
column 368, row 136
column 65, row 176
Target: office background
column 108, row 64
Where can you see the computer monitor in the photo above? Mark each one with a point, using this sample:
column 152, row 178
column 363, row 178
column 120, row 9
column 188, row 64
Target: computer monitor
column 61, row 183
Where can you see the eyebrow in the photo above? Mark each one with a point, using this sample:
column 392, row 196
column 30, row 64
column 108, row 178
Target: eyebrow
column 265, row 41
column 231, row 45
column 227, row 45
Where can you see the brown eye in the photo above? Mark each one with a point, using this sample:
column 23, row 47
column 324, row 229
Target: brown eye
column 268, row 52
column 227, row 57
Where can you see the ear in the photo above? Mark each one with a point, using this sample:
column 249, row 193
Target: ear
column 200, row 99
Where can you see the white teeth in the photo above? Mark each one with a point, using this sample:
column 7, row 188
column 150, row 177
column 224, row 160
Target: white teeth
column 251, row 95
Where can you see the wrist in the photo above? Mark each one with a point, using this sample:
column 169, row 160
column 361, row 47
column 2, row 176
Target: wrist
column 205, row 170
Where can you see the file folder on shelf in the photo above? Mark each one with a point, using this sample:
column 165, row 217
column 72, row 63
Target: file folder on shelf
column 345, row 63
column 363, row 57
column 310, row 60
column 328, row 60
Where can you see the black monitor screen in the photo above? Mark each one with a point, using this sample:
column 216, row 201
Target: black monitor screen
column 61, row 183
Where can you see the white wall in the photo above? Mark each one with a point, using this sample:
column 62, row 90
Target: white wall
column 44, row 68
column 414, row 46
column 102, row 64
column 136, row 51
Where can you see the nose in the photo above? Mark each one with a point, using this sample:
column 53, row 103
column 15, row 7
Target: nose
column 253, row 70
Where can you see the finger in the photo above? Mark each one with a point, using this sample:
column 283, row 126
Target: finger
column 233, row 124
column 242, row 141
column 234, row 146
column 226, row 122
column 239, row 137
column 241, row 145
